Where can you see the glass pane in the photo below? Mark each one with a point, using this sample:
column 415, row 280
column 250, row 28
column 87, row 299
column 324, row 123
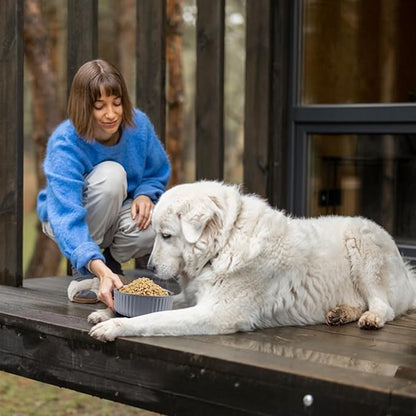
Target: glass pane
column 368, row 175
column 358, row 51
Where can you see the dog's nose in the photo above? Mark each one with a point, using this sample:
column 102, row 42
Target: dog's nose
column 151, row 267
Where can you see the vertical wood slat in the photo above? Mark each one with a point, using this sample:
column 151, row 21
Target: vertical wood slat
column 82, row 24
column 82, row 32
column 11, row 141
column 151, row 62
column 209, row 106
column 277, row 178
column 258, row 95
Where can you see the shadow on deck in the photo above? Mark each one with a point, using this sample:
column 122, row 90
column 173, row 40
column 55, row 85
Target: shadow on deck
column 347, row 371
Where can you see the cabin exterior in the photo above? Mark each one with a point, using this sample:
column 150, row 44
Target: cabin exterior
column 329, row 128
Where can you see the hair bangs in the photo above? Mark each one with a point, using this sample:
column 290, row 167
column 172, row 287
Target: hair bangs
column 106, row 82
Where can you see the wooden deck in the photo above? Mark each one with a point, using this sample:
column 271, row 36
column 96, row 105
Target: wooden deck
column 347, row 371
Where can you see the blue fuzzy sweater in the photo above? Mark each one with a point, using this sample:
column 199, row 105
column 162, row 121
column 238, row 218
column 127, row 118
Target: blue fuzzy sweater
column 69, row 158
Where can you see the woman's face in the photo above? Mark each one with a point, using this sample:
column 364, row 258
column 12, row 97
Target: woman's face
column 108, row 114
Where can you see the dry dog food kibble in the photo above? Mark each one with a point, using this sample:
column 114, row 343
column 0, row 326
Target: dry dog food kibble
column 145, row 287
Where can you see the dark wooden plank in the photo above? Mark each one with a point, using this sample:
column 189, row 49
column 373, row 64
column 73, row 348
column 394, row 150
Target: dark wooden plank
column 148, row 376
column 252, row 354
column 260, row 373
column 404, row 404
column 258, row 95
column 267, row 348
column 407, row 321
column 82, row 26
column 40, row 303
column 398, row 327
column 392, row 345
column 266, row 98
column 48, row 283
column 11, row 141
column 280, row 90
column 151, row 62
column 209, row 107
column 374, row 355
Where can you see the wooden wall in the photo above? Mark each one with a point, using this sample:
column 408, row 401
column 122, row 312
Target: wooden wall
column 266, row 92
column 11, row 141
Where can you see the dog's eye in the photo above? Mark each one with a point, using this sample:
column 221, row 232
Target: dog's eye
column 166, row 236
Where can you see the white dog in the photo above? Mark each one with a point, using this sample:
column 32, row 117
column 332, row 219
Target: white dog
column 243, row 265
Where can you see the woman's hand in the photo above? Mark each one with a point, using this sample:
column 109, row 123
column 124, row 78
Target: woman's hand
column 108, row 282
column 141, row 211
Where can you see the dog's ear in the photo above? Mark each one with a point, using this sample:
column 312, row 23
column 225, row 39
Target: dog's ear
column 194, row 222
column 193, row 227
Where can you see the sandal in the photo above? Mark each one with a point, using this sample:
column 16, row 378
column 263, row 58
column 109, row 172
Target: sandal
column 84, row 289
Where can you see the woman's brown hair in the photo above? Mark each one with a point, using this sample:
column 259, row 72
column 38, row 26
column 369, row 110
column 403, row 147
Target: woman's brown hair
column 85, row 91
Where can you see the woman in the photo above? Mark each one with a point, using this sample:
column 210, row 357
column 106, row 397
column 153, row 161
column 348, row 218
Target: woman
column 105, row 170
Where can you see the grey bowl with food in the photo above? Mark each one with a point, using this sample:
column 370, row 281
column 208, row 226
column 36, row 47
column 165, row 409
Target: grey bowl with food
column 144, row 294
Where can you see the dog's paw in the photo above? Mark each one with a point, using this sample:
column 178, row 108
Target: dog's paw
column 100, row 315
column 109, row 330
column 343, row 314
column 370, row 320
column 335, row 317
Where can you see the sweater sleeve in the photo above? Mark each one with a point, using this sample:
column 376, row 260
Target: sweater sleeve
column 157, row 168
column 64, row 169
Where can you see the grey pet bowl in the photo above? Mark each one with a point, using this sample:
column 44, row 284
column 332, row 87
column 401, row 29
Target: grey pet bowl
column 130, row 305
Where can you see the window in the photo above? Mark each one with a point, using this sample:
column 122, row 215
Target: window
column 352, row 144
column 358, row 51
column 370, row 175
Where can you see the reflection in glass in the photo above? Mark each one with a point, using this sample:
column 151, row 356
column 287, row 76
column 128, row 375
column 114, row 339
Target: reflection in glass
column 358, row 51
column 368, row 175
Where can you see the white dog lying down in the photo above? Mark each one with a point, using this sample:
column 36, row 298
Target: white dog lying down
column 243, row 265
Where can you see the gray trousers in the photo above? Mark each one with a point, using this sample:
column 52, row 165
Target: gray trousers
column 108, row 214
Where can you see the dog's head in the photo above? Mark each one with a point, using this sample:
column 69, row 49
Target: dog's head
column 190, row 224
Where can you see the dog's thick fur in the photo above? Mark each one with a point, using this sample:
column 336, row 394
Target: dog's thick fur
column 243, row 265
